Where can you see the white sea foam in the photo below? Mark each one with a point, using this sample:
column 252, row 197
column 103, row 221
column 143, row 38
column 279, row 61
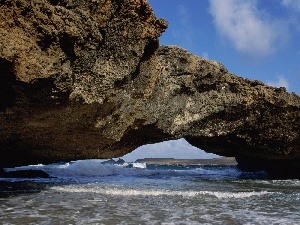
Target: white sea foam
column 140, row 165
column 87, row 168
column 161, row 194
column 153, row 192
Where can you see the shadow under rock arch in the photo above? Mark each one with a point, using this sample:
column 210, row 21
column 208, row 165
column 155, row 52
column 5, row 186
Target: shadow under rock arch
column 7, row 80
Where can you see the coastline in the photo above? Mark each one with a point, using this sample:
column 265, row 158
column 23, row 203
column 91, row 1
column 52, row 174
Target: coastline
column 228, row 161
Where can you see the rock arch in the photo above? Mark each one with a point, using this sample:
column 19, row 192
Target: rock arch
column 114, row 88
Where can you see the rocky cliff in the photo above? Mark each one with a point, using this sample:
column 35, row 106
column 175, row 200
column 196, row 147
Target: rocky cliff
column 88, row 79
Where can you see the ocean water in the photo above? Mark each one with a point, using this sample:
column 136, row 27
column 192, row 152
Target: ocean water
column 90, row 192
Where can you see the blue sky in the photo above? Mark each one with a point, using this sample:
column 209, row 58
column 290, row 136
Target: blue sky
column 255, row 39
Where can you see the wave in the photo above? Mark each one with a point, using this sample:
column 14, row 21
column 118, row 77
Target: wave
column 95, row 168
column 155, row 193
column 99, row 168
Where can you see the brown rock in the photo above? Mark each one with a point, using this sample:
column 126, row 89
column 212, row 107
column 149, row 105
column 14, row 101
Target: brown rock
column 87, row 79
column 60, row 61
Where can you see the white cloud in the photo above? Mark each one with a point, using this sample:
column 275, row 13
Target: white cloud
column 280, row 81
column 249, row 29
column 292, row 4
column 183, row 15
column 293, row 7
column 178, row 149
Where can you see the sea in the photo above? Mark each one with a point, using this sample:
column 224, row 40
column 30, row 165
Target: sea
column 96, row 192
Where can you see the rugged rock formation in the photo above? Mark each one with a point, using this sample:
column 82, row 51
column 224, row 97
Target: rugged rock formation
column 88, row 79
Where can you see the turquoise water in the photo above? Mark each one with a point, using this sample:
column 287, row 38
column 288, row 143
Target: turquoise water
column 89, row 192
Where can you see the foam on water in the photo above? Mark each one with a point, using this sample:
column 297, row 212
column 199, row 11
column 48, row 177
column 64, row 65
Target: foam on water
column 140, row 165
column 136, row 192
column 90, row 192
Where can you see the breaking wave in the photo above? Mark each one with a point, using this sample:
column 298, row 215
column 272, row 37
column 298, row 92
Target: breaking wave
column 98, row 168
column 136, row 192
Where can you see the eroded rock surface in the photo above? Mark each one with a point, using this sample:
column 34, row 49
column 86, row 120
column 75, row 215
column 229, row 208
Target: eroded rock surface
column 88, row 79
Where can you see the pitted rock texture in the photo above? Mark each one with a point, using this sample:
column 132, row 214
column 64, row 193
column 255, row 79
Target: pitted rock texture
column 60, row 61
column 88, row 79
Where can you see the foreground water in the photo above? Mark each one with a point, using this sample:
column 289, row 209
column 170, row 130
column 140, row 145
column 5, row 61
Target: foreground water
column 89, row 192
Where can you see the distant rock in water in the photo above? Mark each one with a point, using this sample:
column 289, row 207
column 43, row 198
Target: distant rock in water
column 88, row 79
column 120, row 161
column 228, row 161
column 111, row 161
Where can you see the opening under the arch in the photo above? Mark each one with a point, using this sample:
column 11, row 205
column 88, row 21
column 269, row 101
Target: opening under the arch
column 177, row 149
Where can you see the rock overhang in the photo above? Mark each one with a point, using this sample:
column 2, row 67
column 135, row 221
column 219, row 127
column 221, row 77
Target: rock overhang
column 88, row 79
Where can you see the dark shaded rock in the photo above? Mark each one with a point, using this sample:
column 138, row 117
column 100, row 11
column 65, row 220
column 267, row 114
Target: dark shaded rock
column 24, row 174
column 120, row 161
column 276, row 169
column 88, row 79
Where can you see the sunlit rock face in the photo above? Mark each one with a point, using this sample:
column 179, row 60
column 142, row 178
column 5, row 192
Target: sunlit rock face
column 88, row 79
column 61, row 64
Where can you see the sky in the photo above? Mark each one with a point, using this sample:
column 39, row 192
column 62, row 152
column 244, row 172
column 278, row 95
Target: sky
column 255, row 39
